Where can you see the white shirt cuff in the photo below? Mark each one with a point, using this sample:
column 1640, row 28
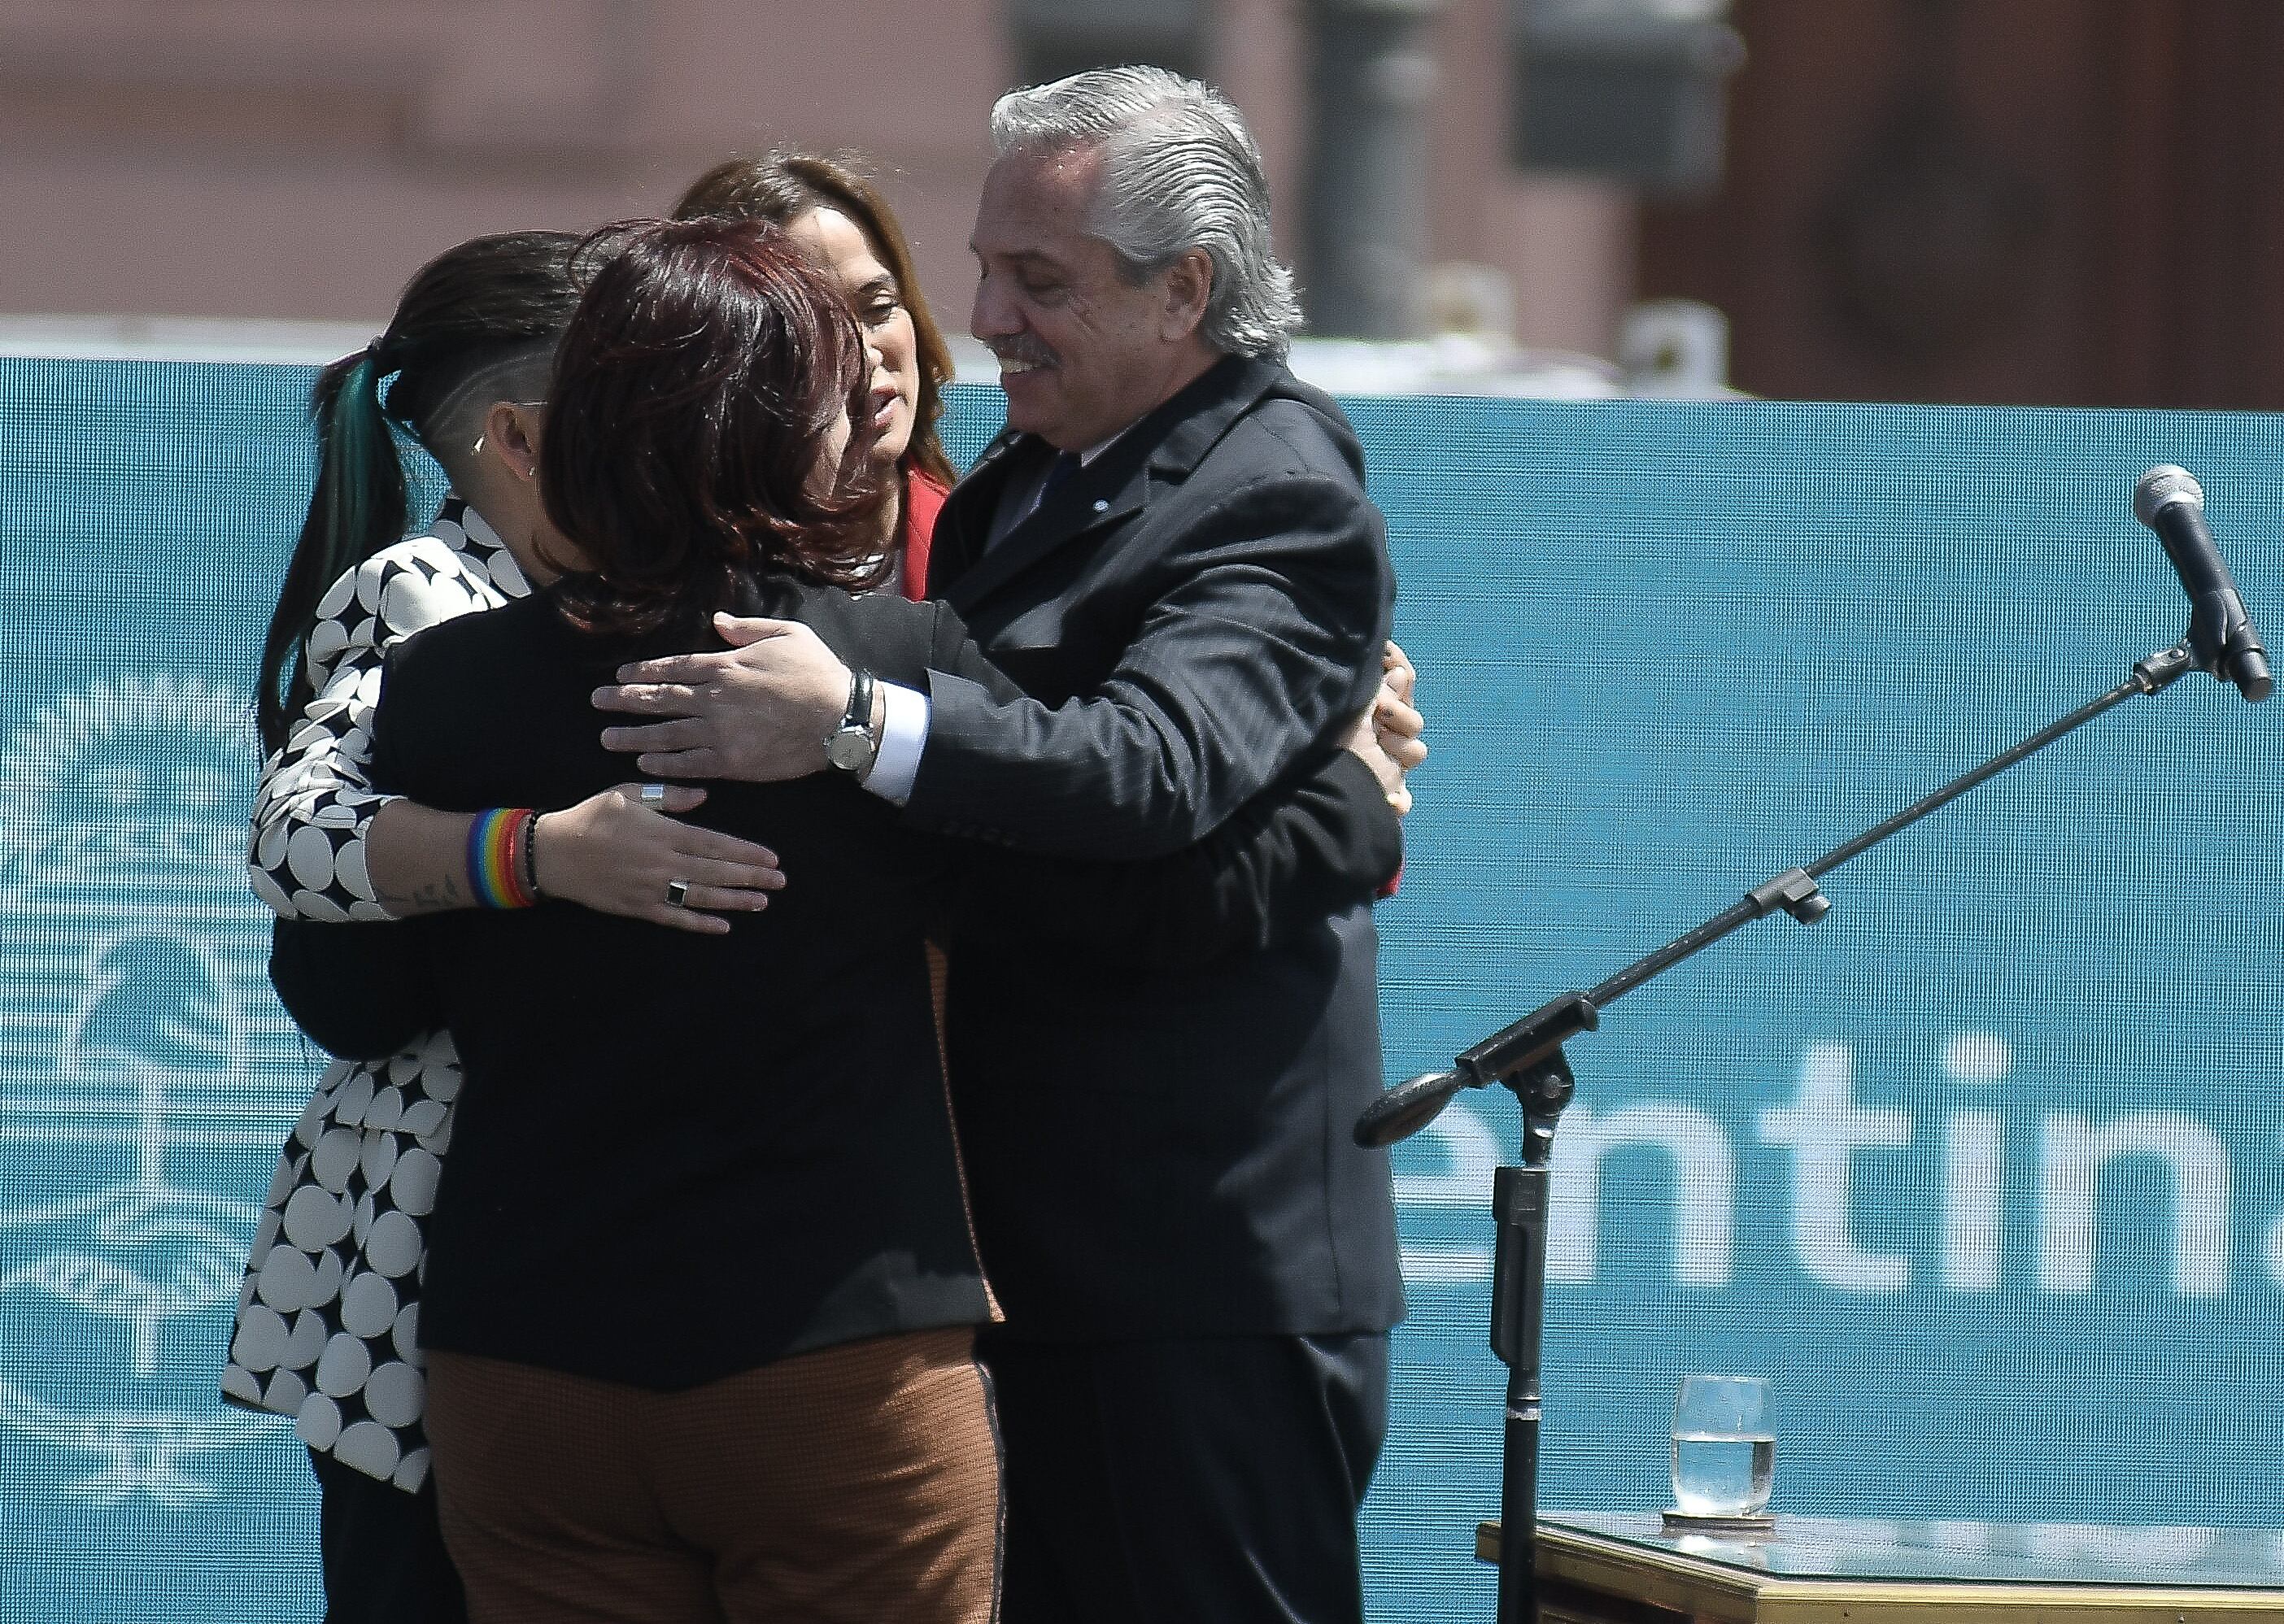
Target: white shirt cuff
column 903, row 735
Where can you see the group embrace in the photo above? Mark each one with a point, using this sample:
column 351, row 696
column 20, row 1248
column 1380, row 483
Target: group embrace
column 851, row 982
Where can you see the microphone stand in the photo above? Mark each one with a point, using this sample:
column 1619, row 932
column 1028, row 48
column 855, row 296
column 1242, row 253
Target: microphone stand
column 1526, row 1058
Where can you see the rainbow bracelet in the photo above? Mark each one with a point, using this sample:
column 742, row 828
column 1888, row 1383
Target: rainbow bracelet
column 497, row 843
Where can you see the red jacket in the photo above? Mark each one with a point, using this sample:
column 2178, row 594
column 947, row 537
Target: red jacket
column 924, row 496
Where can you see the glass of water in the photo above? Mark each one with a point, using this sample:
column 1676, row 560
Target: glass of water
column 1724, row 1446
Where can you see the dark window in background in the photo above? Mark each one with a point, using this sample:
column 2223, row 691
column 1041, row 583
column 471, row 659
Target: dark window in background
column 1055, row 38
column 2072, row 202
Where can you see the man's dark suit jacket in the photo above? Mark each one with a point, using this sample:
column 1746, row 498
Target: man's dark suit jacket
column 1196, row 615
column 678, row 1156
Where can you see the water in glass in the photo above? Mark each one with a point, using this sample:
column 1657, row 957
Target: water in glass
column 1722, row 1476
column 1724, row 1446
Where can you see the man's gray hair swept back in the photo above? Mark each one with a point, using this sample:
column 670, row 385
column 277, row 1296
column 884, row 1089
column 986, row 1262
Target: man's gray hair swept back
column 1179, row 171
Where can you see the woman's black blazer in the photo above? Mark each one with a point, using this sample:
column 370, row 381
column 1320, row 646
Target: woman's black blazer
column 681, row 1156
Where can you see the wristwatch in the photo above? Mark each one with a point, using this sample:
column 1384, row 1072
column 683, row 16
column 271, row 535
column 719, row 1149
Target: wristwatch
column 851, row 746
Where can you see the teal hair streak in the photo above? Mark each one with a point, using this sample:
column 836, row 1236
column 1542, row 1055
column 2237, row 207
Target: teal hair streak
column 358, row 453
column 357, row 508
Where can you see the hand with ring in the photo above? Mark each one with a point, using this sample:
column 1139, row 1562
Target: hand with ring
column 623, row 852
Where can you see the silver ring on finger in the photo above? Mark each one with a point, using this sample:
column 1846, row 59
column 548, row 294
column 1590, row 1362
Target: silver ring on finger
column 678, row 893
column 652, row 794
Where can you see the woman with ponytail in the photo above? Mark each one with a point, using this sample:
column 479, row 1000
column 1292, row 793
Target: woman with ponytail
column 327, row 1331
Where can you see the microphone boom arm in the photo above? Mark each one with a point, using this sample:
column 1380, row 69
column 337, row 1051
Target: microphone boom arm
column 1527, row 1058
column 1520, row 1053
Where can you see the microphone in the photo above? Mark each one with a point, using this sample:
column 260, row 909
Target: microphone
column 1405, row 1109
column 2171, row 502
column 1526, row 1056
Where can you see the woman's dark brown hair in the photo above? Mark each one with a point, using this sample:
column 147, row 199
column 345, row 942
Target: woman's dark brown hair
column 783, row 187
column 694, row 389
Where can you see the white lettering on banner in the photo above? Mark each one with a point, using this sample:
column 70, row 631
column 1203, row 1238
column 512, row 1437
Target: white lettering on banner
column 1978, row 1056
column 2072, row 1153
column 1470, row 1150
column 1704, row 1187
column 1974, row 1200
column 1974, row 1168
column 1824, row 1128
column 2274, row 1250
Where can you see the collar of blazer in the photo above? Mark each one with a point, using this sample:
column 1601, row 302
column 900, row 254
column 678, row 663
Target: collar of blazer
column 1163, row 448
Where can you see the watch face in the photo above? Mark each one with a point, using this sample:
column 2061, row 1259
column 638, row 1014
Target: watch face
column 849, row 749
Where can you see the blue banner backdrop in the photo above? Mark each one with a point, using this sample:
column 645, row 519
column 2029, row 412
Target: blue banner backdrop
column 1981, row 1169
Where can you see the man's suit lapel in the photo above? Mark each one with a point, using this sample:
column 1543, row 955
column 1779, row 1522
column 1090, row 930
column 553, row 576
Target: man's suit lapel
column 1164, row 446
column 963, row 525
column 1081, row 504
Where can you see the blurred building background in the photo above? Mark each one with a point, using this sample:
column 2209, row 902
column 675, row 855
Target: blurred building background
column 2052, row 200
column 2075, row 202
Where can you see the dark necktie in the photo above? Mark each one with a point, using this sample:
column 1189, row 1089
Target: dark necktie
column 1009, row 518
column 1065, row 463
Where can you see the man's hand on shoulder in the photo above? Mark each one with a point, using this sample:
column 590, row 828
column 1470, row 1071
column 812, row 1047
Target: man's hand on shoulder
column 758, row 711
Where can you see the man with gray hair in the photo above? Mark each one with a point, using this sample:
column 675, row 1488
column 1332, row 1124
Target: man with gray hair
column 1171, row 551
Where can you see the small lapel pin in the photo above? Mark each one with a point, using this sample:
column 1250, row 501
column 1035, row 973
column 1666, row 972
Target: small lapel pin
column 1101, row 503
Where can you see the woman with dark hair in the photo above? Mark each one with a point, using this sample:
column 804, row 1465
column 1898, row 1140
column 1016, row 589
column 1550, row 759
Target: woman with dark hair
column 841, row 218
column 326, row 1329
column 702, row 1293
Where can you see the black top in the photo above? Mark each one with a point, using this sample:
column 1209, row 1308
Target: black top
column 679, row 1156
column 1193, row 615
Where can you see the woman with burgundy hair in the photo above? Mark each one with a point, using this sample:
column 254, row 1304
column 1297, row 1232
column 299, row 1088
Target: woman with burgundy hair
column 841, row 218
column 325, row 1330
column 701, row 1291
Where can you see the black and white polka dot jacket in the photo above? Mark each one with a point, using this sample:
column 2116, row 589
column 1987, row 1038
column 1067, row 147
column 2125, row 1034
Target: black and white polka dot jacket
column 328, row 1319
